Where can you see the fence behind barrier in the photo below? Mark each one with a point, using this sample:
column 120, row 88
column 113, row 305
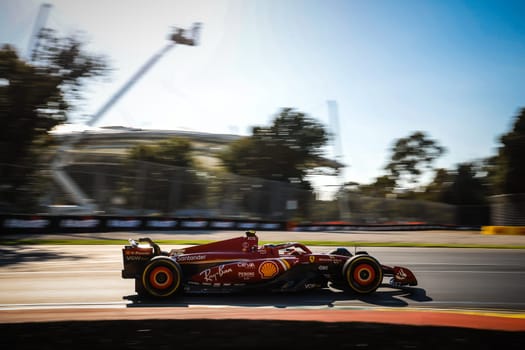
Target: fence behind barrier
column 141, row 189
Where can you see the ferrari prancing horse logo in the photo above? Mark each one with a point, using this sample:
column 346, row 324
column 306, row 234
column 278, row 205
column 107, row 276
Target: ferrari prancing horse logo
column 311, row 258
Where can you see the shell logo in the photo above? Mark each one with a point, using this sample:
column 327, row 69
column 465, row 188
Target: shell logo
column 268, row 269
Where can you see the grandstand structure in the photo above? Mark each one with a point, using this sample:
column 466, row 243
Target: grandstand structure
column 100, row 166
column 114, row 142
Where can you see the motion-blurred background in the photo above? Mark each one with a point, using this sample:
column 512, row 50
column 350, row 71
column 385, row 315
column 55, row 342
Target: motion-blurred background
column 367, row 112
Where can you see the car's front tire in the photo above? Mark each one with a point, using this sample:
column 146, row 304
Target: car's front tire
column 161, row 278
column 363, row 274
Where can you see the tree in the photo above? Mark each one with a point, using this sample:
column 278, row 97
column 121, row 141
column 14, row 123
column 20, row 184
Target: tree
column 435, row 189
column 287, row 151
column 466, row 186
column 34, row 98
column 511, row 157
column 165, row 172
column 175, row 151
column 468, row 191
column 381, row 187
column 411, row 156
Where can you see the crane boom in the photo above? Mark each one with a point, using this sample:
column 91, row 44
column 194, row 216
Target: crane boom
column 145, row 68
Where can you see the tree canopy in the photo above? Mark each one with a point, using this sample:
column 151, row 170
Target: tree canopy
column 35, row 97
column 166, row 171
column 511, row 157
column 175, row 152
column 466, row 187
column 381, row 187
column 410, row 156
column 287, row 150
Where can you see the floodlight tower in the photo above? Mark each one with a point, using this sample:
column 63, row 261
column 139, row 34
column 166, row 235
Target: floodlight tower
column 40, row 23
column 338, row 150
column 178, row 36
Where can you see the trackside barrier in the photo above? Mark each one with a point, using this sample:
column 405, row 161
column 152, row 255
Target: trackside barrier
column 22, row 223
column 379, row 227
column 503, row 230
column 79, row 223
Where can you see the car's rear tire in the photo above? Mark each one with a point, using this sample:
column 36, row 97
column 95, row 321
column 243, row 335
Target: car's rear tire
column 162, row 277
column 363, row 274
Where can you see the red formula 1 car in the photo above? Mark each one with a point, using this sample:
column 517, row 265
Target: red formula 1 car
column 240, row 264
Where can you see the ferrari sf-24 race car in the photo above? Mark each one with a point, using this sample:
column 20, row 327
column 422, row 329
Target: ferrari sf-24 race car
column 241, row 264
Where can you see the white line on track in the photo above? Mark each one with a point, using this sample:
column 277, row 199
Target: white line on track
column 459, row 306
column 63, row 305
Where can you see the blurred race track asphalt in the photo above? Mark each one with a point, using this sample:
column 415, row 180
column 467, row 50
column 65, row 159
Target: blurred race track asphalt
column 236, row 328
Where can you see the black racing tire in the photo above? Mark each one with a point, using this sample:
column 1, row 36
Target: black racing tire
column 162, row 277
column 363, row 274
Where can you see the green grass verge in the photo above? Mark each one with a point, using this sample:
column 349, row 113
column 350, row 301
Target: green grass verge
column 121, row 242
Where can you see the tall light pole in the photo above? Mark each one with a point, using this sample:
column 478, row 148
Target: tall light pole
column 338, row 152
column 40, row 24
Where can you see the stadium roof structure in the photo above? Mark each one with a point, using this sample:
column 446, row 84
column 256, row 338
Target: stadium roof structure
column 117, row 140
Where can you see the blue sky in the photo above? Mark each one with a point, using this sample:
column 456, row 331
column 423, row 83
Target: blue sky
column 454, row 69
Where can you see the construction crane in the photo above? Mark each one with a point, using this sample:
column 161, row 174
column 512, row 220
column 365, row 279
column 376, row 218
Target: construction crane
column 178, row 36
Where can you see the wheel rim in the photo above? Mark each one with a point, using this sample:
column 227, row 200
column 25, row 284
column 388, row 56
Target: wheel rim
column 364, row 274
column 161, row 278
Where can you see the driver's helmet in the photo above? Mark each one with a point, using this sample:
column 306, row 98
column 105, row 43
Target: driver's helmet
column 250, row 233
